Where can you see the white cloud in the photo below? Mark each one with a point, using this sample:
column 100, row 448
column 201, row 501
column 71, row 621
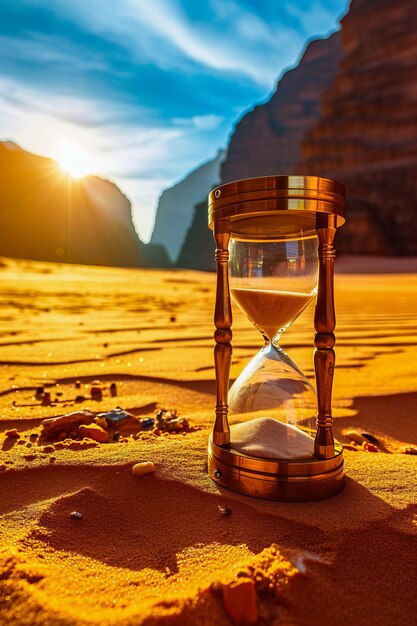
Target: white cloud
column 162, row 30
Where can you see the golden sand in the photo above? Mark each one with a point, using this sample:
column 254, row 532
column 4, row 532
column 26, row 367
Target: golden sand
column 270, row 311
column 171, row 547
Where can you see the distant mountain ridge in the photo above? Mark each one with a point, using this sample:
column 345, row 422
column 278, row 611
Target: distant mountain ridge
column 175, row 210
column 48, row 216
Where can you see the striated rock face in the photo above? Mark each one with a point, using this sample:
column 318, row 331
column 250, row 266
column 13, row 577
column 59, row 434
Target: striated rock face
column 267, row 140
column 176, row 206
column 367, row 134
column 46, row 215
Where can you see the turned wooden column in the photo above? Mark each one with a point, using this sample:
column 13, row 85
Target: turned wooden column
column 324, row 340
column 223, row 333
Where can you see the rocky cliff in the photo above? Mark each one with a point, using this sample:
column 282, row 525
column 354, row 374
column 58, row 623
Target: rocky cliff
column 176, row 205
column 48, row 216
column 367, row 134
column 197, row 251
column 268, row 139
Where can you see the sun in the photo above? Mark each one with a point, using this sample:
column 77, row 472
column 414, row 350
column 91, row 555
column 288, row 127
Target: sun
column 74, row 160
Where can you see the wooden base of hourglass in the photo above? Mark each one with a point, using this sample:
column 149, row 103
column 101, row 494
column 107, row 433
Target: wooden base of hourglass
column 291, row 481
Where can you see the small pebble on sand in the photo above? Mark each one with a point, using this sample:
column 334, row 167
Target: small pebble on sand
column 95, row 432
column 409, row 450
column 12, row 433
column 113, row 390
column 145, row 467
column 96, row 393
column 224, row 510
column 76, row 515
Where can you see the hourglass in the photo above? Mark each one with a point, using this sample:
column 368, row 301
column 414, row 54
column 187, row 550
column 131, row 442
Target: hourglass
column 272, row 436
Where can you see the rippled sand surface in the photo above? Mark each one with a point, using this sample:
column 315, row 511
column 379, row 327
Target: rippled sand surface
column 160, row 549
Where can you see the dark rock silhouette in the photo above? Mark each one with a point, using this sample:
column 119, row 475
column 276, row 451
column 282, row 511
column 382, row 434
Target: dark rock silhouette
column 48, row 216
column 197, row 251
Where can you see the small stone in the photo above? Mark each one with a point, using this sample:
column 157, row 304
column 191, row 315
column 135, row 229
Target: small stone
column 239, row 598
column 12, row 433
column 409, row 450
column 101, row 421
column 33, row 436
column 172, row 319
column 54, row 427
column 118, row 415
column 29, row 445
column 79, row 399
column 76, row 515
column 224, row 510
column 370, row 438
column 147, row 423
column 355, row 436
column 39, row 393
column 95, row 432
column 145, row 467
column 77, row 384
column 46, row 399
column 96, row 393
column 113, row 390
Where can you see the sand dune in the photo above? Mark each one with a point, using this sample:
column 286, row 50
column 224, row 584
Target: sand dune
column 158, row 549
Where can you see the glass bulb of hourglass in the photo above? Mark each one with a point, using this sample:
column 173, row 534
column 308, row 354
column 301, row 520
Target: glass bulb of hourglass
column 273, row 277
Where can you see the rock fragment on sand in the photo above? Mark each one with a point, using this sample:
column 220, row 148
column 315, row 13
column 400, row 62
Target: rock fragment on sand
column 409, row 450
column 369, row 447
column 224, row 510
column 76, row 515
column 95, row 432
column 69, row 423
column 113, row 390
column 362, row 439
column 12, row 433
column 142, row 468
column 96, row 393
column 370, row 438
column 168, row 421
column 46, row 399
column 116, row 416
column 239, row 598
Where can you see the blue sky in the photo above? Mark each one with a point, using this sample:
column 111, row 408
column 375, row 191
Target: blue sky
column 142, row 91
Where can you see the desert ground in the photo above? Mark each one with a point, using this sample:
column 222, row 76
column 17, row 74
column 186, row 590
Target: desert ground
column 172, row 547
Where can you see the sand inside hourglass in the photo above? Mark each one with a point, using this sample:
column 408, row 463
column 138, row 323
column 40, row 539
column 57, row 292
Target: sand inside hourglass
column 270, row 311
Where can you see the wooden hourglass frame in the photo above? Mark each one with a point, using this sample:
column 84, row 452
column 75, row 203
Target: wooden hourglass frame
column 323, row 201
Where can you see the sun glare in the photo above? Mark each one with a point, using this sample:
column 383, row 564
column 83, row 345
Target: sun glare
column 74, row 160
